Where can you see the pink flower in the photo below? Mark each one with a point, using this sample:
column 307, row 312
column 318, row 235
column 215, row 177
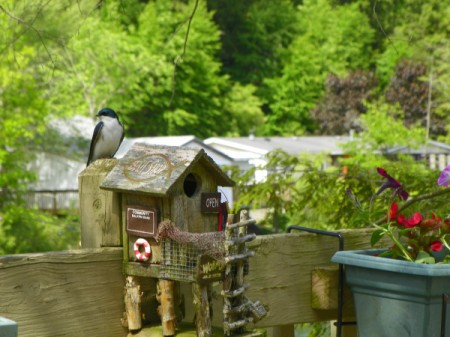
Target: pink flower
column 444, row 178
column 436, row 246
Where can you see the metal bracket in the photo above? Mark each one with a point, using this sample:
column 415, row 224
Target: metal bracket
column 339, row 323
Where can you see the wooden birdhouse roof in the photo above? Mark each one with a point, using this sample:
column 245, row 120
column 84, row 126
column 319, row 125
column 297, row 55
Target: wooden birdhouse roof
column 156, row 169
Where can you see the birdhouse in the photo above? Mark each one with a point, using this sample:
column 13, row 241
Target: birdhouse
column 172, row 216
column 159, row 183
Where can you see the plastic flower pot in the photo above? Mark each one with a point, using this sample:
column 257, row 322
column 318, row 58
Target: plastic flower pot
column 395, row 298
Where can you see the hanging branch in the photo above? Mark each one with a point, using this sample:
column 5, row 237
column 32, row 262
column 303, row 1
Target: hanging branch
column 29, row 26
column 374, row 10
column 426, row 196
column 181, row 56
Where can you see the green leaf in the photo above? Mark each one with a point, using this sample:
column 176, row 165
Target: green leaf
column 424, row 257
column 376, row 236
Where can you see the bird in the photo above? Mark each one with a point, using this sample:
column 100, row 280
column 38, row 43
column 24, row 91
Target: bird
column 107, row 137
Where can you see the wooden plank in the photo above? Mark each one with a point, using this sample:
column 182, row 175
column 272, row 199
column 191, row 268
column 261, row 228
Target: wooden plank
column 324, row 285
column 80, row 293
column 71, row 293
column 188, row 330
column 100, row 209
column 281, row 272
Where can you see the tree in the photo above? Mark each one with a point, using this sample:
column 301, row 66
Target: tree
column 409, row 87
column 255, row 34
column 422, row 35
column 299, row 191
column 162, row 79
column 343, row 103
column 332, row 39
column 101, row 66
column 26, row 46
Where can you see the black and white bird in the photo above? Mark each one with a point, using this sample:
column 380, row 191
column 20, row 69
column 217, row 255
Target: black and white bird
column 107, row 137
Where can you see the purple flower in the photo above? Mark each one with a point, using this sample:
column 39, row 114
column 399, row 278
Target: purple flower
column 444, row 178
column 391, row 183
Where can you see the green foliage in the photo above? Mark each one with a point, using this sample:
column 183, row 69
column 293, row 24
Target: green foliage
column 22, row 118
column 280, row 191
column 61, row 58
column 255, row 36
column 26, row 45
column 339, row 111
column 24, row 230
column 300, row 191
column 244, row 109
column 422, row 33
column 314, row 54
column 384, row 131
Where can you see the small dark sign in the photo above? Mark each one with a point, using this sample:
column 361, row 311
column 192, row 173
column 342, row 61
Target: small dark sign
column 209, row 270
column 211, row 202
column 142, row 221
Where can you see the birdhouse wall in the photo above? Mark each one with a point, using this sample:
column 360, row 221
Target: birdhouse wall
column 186, row 209
column 161, row 204
column 182, row 206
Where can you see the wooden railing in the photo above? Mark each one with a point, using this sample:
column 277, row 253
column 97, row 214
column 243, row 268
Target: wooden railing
column 52, row 200
column 63, row 293
column 80, row 293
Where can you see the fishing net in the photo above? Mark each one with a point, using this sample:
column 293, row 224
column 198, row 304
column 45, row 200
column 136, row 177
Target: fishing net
column 181, row 250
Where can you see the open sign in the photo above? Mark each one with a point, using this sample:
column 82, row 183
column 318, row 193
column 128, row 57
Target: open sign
column 210, row 202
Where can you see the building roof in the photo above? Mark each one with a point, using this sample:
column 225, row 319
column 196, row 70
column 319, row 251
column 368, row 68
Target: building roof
column 182, row 141
column 157, row 169
column 433, row 147
column 244, row 148
column 247, row 148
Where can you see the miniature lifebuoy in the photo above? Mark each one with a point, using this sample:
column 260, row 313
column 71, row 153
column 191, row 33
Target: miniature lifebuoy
column 147, row 250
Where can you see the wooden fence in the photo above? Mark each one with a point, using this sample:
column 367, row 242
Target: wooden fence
column 80, row 293
column 52, row 200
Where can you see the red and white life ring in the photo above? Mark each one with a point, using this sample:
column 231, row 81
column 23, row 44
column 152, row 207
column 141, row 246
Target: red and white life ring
column 147, row 250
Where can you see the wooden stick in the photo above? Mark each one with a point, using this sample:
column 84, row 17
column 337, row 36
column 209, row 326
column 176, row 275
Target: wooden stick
column 242, row 223
column 133, row 296
column 228, row 278
column 167, row 308
column 246, row 238
column 202, row 310
column 235, row 292
column 238, row 324
column 239, row 257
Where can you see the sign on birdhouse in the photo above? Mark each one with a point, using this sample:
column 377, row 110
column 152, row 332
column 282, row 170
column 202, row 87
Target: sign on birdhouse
column 210, row 202
column 209, row 270
column 142, row 221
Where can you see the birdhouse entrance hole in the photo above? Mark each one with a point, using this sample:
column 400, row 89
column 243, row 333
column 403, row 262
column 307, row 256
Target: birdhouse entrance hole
column 191, row 184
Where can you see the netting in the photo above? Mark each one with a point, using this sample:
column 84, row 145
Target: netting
column 181, row 250
column 211, row 243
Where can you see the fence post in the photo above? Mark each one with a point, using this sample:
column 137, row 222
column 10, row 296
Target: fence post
column 99, row 209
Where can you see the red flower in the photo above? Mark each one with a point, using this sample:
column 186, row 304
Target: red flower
column 393, row 211
column 447, row 222
column 434, row 222
column 436, row 246
column 410, row 222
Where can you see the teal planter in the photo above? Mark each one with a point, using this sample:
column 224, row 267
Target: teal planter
column 395, row 298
